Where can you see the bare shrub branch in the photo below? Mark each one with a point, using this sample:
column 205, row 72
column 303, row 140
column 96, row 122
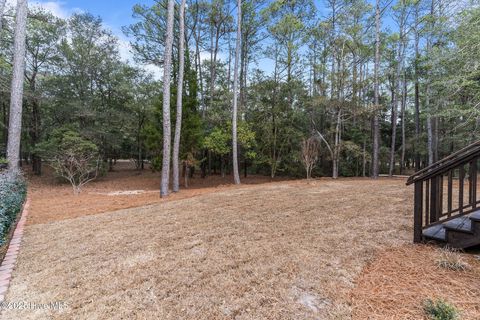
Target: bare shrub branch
column 309, row 154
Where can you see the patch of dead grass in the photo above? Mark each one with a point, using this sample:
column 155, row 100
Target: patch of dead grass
column 290, row 250
column 122, row 188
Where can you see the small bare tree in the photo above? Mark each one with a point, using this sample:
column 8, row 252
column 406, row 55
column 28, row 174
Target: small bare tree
column 78, row 169
column 309, row 154
column 73, row 157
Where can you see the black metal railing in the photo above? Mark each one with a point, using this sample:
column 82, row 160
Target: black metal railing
column 447, row 189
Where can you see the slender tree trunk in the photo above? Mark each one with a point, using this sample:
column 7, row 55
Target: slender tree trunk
column 178, row 122
column 429, row 134
column 35, row 127
column 229, row 70
column 334, row 50
column 187, row 174
column 336, row 147
column 404, row 105
column 139, row 142
column 364, row 158
column 430, row 141
column 397, row 85
column 166, row 101
column 417, row 93
column 236, row 176
column 212, row 85
column 245, row 167
column 197, row 37
column 376, row 126
column 16, row 99
column 213, row 62
column 395, row 99
column 242, row 74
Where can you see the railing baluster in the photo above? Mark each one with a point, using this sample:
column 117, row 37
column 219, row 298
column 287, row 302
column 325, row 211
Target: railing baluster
column 473, row 174
column 470, row 184
column 440, row 197
column 427, row 202
column 450, row 192
column 433, row 199
column 461, row 176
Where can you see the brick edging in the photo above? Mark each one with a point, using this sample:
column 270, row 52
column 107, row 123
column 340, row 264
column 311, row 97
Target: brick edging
column 8, row 263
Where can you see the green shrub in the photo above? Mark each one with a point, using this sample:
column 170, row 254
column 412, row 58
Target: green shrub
column 440, row 310
column 13, row 190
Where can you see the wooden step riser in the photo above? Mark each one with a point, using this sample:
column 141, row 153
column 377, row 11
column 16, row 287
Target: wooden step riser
column 457, row 239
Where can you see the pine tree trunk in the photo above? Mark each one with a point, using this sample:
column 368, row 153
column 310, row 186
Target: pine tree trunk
column 429, row 136
column 397, row 90
column 364, row 158
column 337, row 145
column 417, row 92
column 178, row 122
column 166, row 101
column 376, row 126
column 404, row 105
column 334, row 50
column 430, row 142
column 16, row 99
column 236, row 176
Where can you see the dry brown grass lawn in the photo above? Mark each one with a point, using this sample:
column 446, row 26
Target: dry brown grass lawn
column 284, row 250
column 53, row 201
column 275, row 251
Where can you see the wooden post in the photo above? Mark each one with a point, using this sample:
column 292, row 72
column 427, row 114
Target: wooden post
column 417, row 215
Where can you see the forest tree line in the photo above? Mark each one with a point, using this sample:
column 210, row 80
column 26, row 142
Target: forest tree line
column 382, row 87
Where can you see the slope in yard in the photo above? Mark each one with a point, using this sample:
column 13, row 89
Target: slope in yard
column 275, row 251
column 125, row 187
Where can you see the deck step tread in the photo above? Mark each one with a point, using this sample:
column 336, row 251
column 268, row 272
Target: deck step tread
column 436, row 232
column 461, row 224
column 475, row 215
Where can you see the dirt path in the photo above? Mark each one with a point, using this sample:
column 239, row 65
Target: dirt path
column 276, row 251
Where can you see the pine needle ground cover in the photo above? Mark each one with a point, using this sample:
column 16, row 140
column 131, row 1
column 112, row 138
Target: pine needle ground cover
column 283, row 250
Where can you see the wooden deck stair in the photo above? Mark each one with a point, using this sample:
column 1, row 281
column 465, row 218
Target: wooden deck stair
column 447, row 205
column 461, row 232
